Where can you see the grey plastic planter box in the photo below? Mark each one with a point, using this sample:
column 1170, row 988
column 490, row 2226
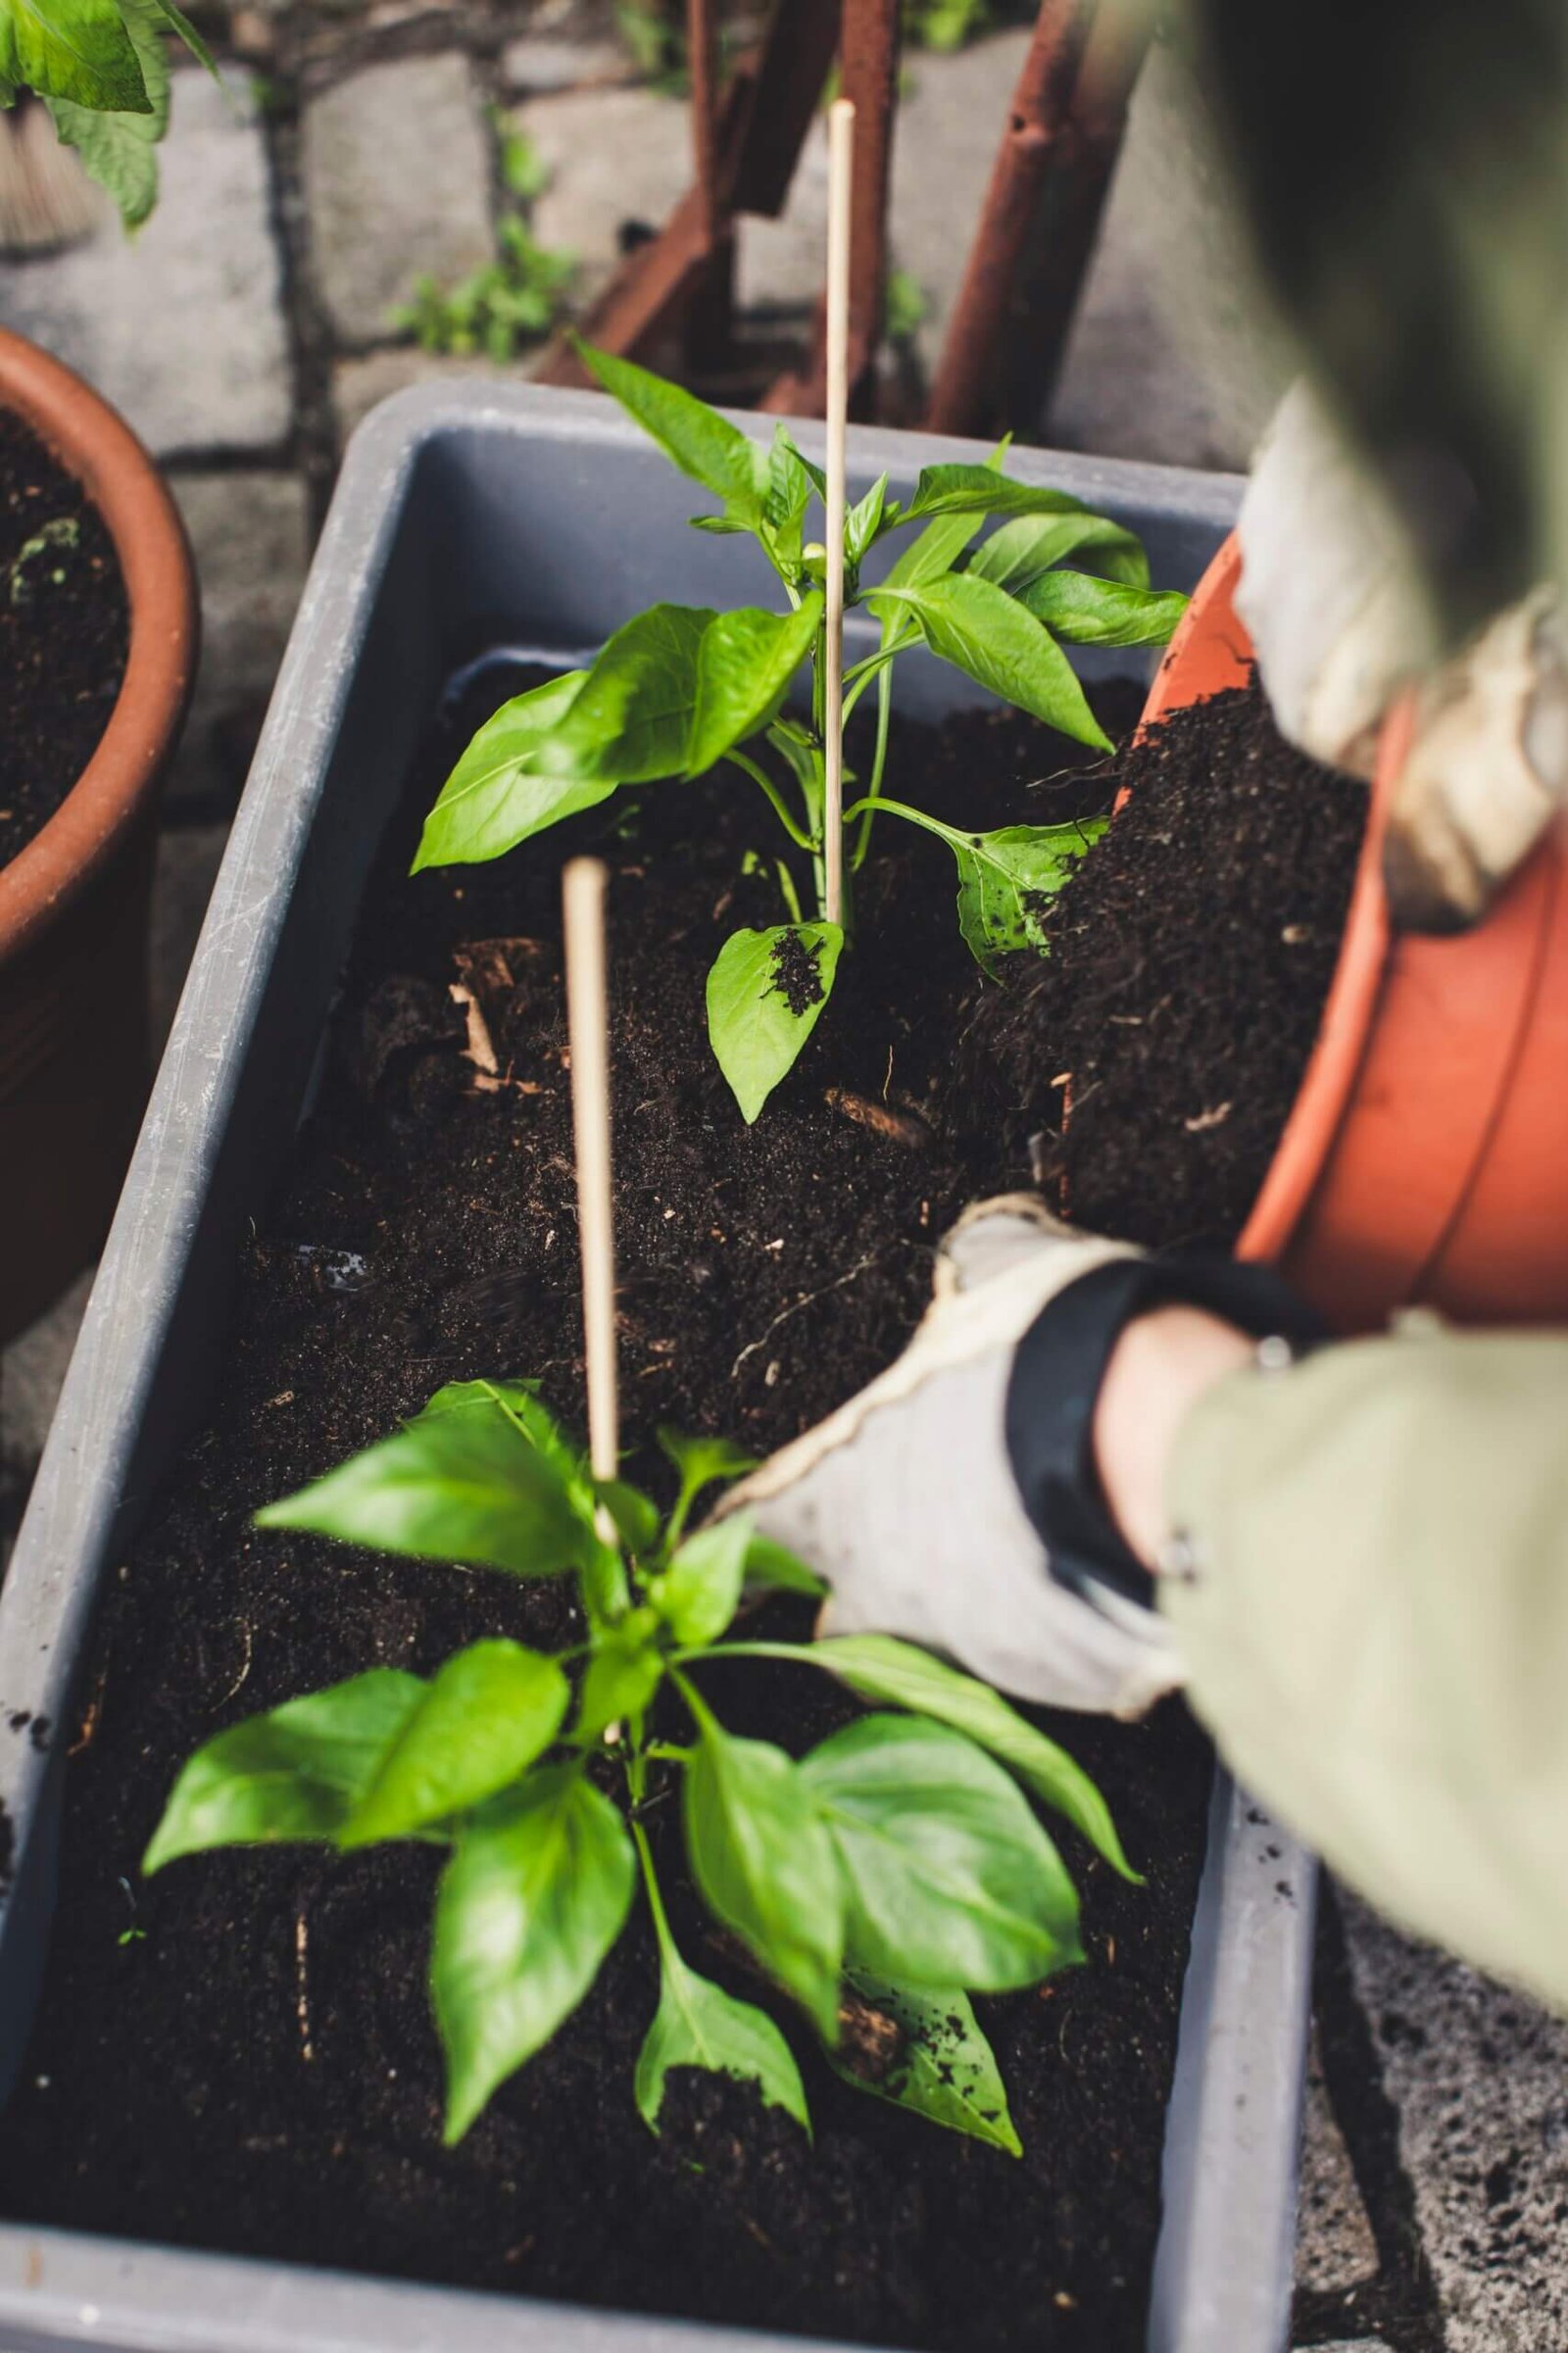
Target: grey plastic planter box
column 541, row 519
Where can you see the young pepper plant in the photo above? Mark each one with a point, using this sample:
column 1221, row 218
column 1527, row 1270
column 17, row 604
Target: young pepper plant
column 681, row 688
column 882, row 1878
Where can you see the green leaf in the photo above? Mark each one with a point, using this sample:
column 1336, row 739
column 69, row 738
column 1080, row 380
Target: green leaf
column 533, row 1898
column 765, row 994
column 743, row 668
column 863, row 521
column 699, row 1462
column 877, row 1666
column 942, row 2067
column 118, row 149
column 1007, row 879
column 950, row 1879
column 179, row 22
column 636, row 1515
column 1103, row 612
column 699, row 1592
column 75, row 49
column 765, row 1864
column 631, row 718
column 698, row 2024
column 705, row 446
column 938, row 547
column 988, row 634
column 770, row 1566
column 982, row 490
column 461, row 1482
column 790, row 483
column 497, row 796
column 488, row 1713
column 297, row 1772
column 1017, row 554
column 624, row 1671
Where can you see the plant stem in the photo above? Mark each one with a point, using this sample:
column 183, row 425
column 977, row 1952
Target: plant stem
column 760, row 776
column 804, row 1652
column 790, row 894
column 656, row 1901
column 884, row 711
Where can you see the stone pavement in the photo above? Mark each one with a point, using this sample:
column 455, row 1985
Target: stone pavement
column 247, row 331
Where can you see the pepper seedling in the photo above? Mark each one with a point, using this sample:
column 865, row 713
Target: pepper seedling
column 884, row 1876
column 682, row 689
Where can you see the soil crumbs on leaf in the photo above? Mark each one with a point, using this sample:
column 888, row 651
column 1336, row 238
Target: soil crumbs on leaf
column 796, row 973
column 1155, row 1055
column 65, row 627
column 258, row 2072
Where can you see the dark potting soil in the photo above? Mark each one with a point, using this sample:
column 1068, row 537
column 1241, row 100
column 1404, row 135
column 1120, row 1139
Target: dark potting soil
column 1189, row 960
column 64, row 628
column 239, row 2053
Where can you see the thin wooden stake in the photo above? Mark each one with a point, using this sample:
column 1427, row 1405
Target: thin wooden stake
column 841, row 173
column 588, row 1029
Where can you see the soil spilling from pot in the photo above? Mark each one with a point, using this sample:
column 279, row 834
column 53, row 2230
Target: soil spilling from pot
column 1189, row 960
column 65, row 630
column 239, row 2053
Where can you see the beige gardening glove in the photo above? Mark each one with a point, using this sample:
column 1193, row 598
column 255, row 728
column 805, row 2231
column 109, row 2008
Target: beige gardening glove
column 1333, row 602
column 906, row 1501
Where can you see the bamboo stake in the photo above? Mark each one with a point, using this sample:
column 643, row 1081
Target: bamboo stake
column 841, row 173
column 588, row 1030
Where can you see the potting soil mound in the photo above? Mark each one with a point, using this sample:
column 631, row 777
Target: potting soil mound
column 65, row 629
column 239, row 2053
column 1189, row 960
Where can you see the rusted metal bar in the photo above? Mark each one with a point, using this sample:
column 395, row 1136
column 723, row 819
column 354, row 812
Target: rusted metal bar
column 969, row 395
column 868, row 73
column 790, row 74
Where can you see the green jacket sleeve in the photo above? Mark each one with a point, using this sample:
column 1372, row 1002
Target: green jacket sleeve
column 1376, row 1626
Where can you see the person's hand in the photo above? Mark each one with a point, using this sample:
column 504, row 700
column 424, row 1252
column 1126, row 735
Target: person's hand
column 906, row 1501
column 1331, row 598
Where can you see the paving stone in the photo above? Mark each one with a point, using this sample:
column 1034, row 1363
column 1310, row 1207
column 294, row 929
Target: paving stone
column 359, row 385
column 536, row 64
column 396, row 171
column 1173, row 355
column 952, row 114
column 1335, row 2250
column 782, row 263
column 1347, row 2344
column 251, row 541
column 183, row 328
column 188, row 859
column 1479, row 2075
column 613, row 157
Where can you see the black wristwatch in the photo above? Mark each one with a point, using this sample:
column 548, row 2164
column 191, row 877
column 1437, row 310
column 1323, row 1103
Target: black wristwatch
column 1054, row 1385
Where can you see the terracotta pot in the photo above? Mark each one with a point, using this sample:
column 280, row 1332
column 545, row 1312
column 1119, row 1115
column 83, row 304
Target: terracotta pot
column 75, row 901
column 1426, row 1158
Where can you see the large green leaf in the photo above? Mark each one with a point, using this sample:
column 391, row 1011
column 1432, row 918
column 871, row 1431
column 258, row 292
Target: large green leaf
column 765, row 1864
column 790, row 483
column 298, row 1772
column 488, row 1713
column 982, row 490
column 120, row 149
column 497, row 796
column 772, row 1568
column 458, row 1483
column 1103, row 612
column 988, row 634
column 631, row 719
column 765, row 994
column 698, row 2024
column 951, row 1881
column 743, row 668
column 698, row 1594
column 1023, row 549
column 702, row 444
column 1007, row 879
column 942, row 2068
column 76, row 49
column 877, row 1666
column 533, row 1898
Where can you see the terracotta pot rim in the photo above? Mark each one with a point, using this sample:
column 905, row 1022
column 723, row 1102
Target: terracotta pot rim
column 118, row 781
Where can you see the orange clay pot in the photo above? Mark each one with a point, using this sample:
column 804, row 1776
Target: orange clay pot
column 1426, row 1158
column 74, row 901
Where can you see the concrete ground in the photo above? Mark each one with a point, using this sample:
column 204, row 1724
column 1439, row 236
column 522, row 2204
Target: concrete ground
column 247, row 331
